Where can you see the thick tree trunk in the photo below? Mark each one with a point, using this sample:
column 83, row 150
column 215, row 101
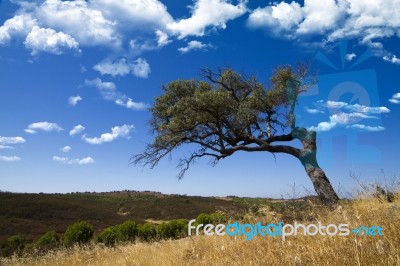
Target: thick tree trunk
column 308, row 157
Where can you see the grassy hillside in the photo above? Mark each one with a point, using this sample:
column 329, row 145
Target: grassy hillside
column 225, row 250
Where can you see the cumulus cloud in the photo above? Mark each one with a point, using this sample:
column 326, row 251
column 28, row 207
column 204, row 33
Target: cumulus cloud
column 367, row 21
column 18, row 26
column 356, row 107
column 66, row 149
column 313, row 111
column 393, row 59
column 66, row 160
column 9, row 158
column 6, row 142
column 206, row 13
column 43, row 126
column 395, row 98
column 139, row 68
column 109, row 92
column 76, row 130
column 367, row 128
column 79, row 19
column 11, row 140
column 350, row 57
column 50, row 41
column 116, row 132
column 130, row 104
column 62, row 24
column 193, row 46
column 349, row 115
column 73, row 100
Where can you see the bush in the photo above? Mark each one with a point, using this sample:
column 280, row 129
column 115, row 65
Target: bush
column 127, row 231
column 108, row 236
column 214, row 218
column 147, row 231
column 48, row 241
column 13, row 244
column 78, row 233
column 173, row 229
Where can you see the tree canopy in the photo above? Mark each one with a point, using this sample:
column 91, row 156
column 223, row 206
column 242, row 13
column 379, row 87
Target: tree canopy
column 227, row 112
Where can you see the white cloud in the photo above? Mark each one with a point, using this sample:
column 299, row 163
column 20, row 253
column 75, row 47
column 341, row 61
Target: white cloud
column 313, row 111
column 79, row 19
column 193, row 46
column 135, row 15
column 367, row 128
column 130, row 104
column 65, row 160
column 11, row 140
column 282, row 15
column 50, row 41
column 116, row 132
column 42, row 126
column 393, row 59
column 108, row 90
column 9, row 158
column 350, row 119
column 368, row 21
column 66, row 149
column 18, row 26
column 73, row 100
column 76, row 130
column 162, row 38
column 6, row 147
column 206, row 13
column 395, row 98
column 357, row 107
column 139, row 68
column 323, row 126
column 350, row 57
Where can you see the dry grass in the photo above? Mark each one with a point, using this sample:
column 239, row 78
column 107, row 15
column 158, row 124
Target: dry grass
column 300, row 250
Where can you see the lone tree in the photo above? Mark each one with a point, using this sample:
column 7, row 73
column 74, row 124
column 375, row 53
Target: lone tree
column 226, row 113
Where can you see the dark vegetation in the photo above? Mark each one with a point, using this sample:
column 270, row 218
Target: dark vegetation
column 41, row 222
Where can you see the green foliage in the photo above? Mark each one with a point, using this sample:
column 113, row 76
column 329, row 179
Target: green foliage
column 173, row 229
column 13, row 245
column 108, row 236
column 78, row 233
column 214, row 218
column 147, row 231
column 48, row 241
column 125, row 232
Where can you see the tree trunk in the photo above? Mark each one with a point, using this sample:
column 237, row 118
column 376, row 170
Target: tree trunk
column 308, row 158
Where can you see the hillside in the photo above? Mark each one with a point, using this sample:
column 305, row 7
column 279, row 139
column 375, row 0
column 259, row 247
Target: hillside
column 34, row 214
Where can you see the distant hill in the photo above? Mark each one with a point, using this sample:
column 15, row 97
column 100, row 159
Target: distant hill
column 34, row 214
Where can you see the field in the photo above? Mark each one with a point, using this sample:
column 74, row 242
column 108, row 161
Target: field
column 224, row 250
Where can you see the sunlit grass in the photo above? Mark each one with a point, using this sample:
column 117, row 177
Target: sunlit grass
column 225, row 250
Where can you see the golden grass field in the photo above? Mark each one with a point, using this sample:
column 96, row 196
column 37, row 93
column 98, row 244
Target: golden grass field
column 225, row 250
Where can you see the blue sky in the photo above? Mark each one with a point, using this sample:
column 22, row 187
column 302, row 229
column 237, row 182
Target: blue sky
column 77, row 77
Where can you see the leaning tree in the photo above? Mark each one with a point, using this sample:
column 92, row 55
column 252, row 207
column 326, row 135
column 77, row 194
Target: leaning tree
column 226, row 112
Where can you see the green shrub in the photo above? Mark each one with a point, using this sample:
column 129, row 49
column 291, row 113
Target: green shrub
column 48, row 241
column 127, row 231
column 173, row 229
column 108, row 236
column 147, row 231
column 214, row 218
column 78, row 233
column 13, row 244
